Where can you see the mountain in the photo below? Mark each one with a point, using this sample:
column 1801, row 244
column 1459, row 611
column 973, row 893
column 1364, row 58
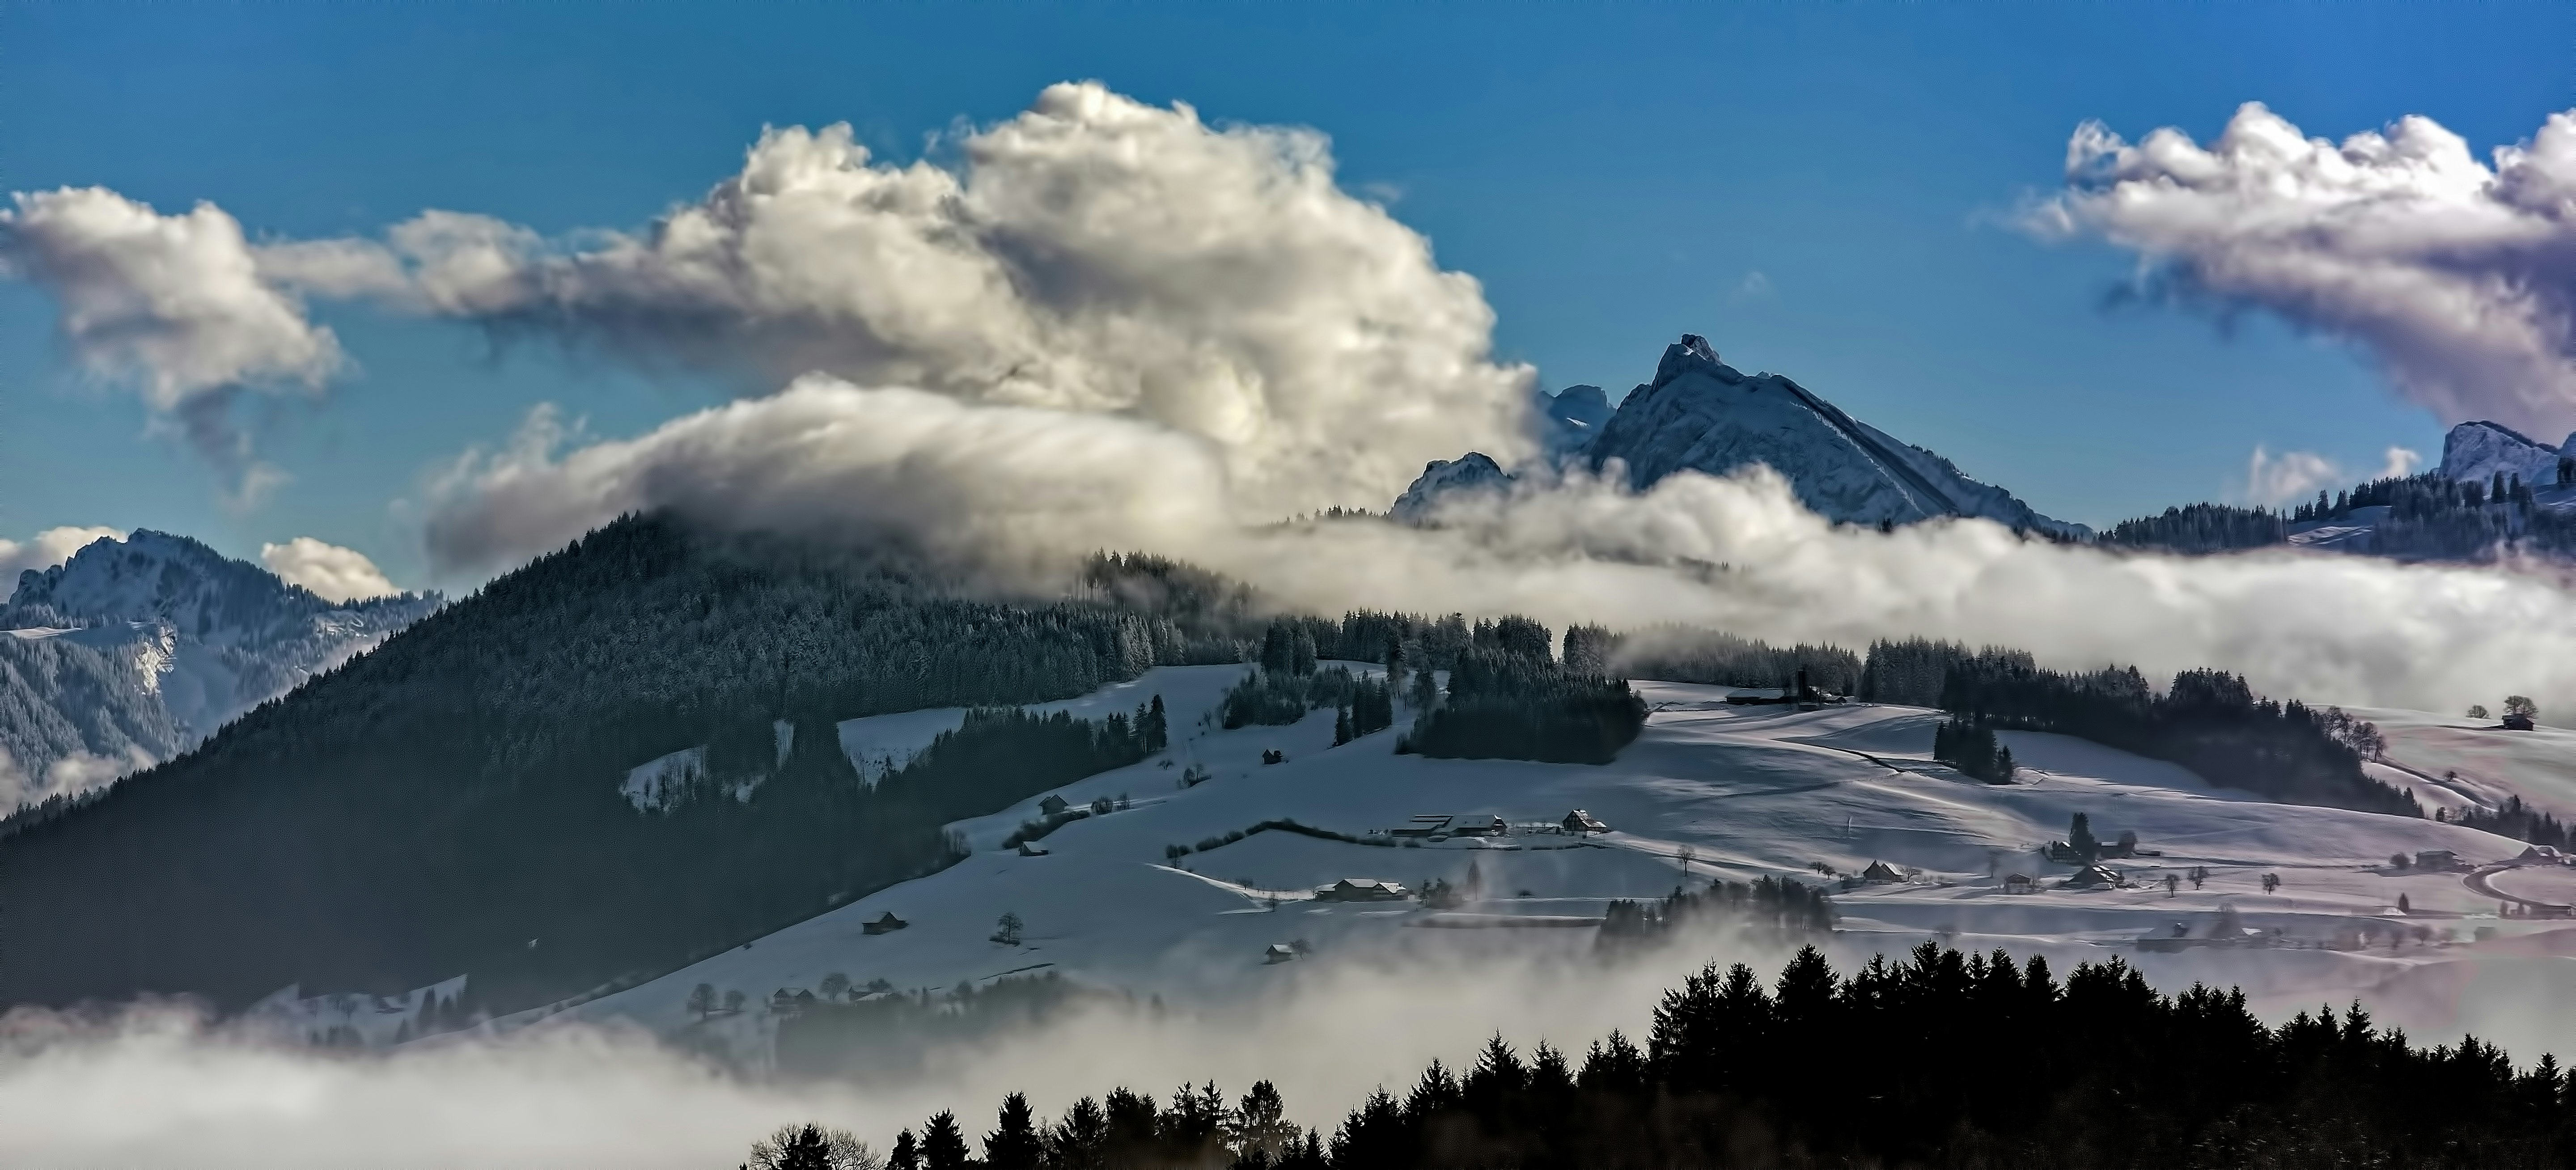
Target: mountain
column 133, row 650
column 1700, row 414
column 460, row 799
column 1472, row 471
column 1571, row 418
column 2480, row 450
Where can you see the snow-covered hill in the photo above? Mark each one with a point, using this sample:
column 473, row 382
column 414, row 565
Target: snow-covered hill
column 133, row 649
column 1712, row 789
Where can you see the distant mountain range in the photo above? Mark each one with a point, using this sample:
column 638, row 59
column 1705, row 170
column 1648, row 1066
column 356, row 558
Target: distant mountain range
column 134, row 650
column 1700, row 414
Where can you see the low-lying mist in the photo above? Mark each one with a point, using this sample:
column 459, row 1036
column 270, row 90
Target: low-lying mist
column 158, row 1084
column 1029, row 490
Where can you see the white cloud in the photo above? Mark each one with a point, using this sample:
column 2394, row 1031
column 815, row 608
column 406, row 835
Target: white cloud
column 2296, row 476
column 174, row 306
column 45, row 550
column 2454, row 272
column 1091, row 255
column 2289, row 477
column 330, row 571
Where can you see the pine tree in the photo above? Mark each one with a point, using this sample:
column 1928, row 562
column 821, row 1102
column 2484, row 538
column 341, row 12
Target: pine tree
column 1341, row 726
column 1015, row 1145
column 905, row 1155
column 943, row 1145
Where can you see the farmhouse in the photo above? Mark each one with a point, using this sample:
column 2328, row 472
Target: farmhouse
column 883, row 925
column 1362, row 890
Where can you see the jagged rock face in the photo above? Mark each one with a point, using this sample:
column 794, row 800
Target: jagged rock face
column 1473, row 471
column 194, row 638
column 1700, row 414
column 2478, row 450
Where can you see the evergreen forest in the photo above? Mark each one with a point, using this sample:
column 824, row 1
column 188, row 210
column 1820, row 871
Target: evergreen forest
column 1935, row 1059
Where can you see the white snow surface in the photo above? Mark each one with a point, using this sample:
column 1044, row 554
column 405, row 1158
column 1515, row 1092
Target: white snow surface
column 1749, row 791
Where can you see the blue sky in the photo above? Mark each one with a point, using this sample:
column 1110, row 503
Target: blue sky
column 1613, row 175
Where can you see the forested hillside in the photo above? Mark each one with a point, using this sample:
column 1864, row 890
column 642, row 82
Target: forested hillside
column 450, row 802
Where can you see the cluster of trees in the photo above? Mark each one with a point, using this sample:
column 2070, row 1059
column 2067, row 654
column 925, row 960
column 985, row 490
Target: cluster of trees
column 2207, row 721
column 2512, row 819
column 1696, row 655
column 2429, row 517
column 1969, row 746
column 2200, row 528
column 1000, row 755
column 2100, row 1070
column 431, row 807
column 1913, row 671
column 1778, row 907
column 1509, row 699
column 887, row 1039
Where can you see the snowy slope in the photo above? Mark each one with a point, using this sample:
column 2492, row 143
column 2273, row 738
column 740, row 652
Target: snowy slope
column 1701, row 414
column 1750, row 791
column 194, row 634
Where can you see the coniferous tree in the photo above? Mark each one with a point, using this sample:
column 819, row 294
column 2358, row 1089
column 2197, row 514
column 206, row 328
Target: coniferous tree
column 943, row 1145
column 1015, row 1143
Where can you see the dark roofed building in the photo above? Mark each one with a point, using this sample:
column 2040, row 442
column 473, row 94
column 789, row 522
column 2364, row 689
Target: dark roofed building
column 883, row 925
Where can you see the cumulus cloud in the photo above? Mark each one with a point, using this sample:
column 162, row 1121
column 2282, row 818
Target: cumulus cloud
column 2273, row 480
column 330, row 571
column 2456, row 273
column 1092, row 255
column 174, row 306
column 47, row 549
column 2293, row 476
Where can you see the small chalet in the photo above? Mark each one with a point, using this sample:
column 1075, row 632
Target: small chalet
column 1279, row 953
column 1881, row 873
column 2437, row 859
column 1053, row 805
column 1032, row 849
column 884, row 925
column 2020, row 883
column 1580, row 822
column 1362, row 890
column 2515, row 721
column 2544, row 854
column 1481, row 827
column 788, row 1003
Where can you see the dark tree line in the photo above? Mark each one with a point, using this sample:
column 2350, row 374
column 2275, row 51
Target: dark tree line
column 450, row 803
column 1695, row 655
column 2208, row 721
column 2428, row 516
column 1780, row 908
column 1939, row 1059
column 1970, row 747
column 2512, row 819
column 2200, row 528
column 1912, row 672
column 1507, row 698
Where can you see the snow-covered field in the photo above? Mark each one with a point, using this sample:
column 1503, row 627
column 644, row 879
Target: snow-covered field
column 1724, row 791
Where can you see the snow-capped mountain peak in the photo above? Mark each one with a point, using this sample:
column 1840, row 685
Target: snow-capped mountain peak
column 1700, row 414
column 2480, row 450
column 184, row 637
